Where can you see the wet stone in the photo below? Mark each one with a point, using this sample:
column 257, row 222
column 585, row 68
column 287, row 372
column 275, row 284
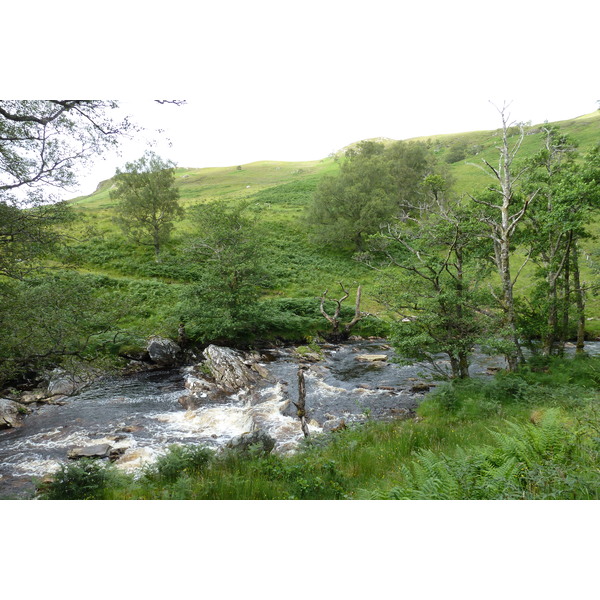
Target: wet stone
column 372, row 357
column 10, row 413
column 96, row 451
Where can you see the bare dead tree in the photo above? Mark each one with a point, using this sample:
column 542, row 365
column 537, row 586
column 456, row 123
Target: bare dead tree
column 340, row 331
column 502, row 218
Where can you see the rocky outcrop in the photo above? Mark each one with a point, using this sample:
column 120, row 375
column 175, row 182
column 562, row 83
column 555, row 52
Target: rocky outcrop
column 230, row 371
column 308, row 354
column 421, row 388
column 163, row 352
column 33, row 396
column 257, row 441
column 335, row 424
column 225, row 371
column 11, row 413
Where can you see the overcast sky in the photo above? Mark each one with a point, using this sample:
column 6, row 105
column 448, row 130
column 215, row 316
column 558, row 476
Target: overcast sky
column 295, row 81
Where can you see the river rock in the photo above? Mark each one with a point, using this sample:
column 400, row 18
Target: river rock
column 261, row 440
column 335, row 424
column 32, row 396
column 63, row 384
column 196, row 382
column 135, row 458
column 262, row 371
column 229, row 369
column 163, row 352
column 193, row 401
column 420, row 388
column 95, row 451
column 372, row 357
column 10, row 413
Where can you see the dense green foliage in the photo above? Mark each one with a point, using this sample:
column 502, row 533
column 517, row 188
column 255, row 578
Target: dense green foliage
column 84, row 479
column 223, row 303
column 287, row 262
column 375, row 184
column 55, row 320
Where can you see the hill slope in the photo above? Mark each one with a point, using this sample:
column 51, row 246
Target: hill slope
column 279, row 193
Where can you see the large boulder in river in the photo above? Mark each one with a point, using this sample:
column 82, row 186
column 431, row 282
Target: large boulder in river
column 230, row 370
column 163, row 352
column 10, row 413
column 260, row 441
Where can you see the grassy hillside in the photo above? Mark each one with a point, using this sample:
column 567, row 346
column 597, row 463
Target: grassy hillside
column 279, row 193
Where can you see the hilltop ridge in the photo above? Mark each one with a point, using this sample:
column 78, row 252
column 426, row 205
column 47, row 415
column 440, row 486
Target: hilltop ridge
column 235, row 181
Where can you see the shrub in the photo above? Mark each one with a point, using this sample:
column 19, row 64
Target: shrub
column 85, row 479
column 179, row 461
column 460, row 400
column 506, row 387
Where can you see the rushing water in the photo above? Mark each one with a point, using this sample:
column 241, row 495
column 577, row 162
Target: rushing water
column 142, row 416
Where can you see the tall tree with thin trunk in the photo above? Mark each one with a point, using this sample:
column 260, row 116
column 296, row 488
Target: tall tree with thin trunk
column 550, row 235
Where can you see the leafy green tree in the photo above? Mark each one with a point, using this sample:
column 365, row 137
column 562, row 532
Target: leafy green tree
column 148, row 200
column 41, row 141
column 375, row 183
column 457, row 152
column 223, row 303
column 568, row 195
column 27, row 235
column 551, row 223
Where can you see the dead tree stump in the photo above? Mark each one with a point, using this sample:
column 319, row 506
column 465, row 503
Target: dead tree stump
column 301, row 404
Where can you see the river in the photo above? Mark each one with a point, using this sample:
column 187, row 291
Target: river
column 141, row 414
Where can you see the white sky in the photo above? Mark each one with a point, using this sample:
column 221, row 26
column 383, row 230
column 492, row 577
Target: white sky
column 291, row 81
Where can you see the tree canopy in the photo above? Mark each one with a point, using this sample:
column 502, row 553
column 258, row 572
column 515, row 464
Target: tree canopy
column 42, row 141
column 375, row 183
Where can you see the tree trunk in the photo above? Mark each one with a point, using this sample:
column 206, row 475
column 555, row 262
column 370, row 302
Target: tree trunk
column 579, row 299
column 454, row 366
column 515, row 356
column 549, row 338
column 504, row 231
column 564, row 334
column 463, row 365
